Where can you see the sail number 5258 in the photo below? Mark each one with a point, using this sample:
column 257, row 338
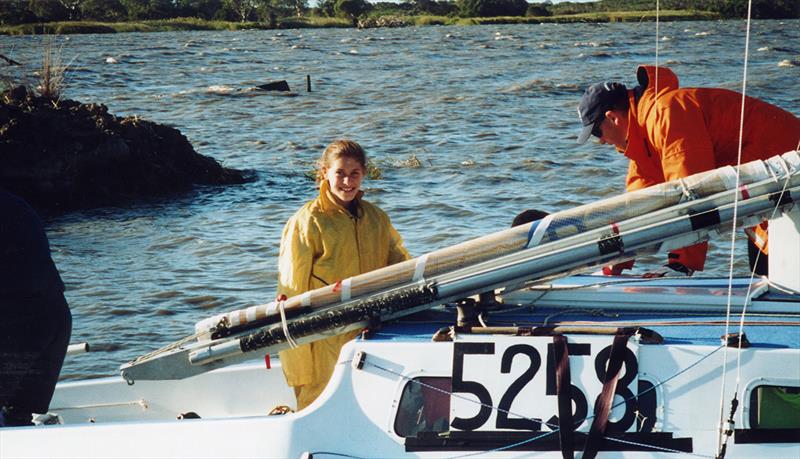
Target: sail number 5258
column 530, row 414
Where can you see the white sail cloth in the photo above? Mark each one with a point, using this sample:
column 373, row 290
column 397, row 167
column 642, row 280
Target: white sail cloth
column 557, row 226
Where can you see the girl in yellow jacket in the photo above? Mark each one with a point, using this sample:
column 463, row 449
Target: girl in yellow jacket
column 333, row 237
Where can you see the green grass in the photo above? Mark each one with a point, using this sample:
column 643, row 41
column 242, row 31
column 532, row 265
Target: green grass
column 499, row 20
column 160, row 25
column 165, row 25
column 431, row 20
column 305, row 22
column 600, row 17
column 633, row 16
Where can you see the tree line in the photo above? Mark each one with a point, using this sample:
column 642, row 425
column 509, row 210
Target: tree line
column 761, row 9
column 31, row 11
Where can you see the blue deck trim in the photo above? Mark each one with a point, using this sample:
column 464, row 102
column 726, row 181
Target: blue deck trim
column 762, row 330
column 708, row 331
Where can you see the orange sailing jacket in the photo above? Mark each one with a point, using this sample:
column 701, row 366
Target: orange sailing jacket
column 674, row 133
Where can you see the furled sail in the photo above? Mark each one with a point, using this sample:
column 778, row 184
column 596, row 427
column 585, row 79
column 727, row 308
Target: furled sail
column 662, row 217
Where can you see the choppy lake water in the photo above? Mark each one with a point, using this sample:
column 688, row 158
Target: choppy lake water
column 469, row 125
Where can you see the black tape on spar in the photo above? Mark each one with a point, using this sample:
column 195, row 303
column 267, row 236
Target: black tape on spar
column 705, row 219
column 611, row 244
column 781, row 198
column 374, row 306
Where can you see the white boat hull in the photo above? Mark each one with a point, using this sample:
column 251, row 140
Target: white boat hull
column 357, row 415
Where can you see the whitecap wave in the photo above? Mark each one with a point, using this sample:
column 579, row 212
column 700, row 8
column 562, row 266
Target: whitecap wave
column 219, row 89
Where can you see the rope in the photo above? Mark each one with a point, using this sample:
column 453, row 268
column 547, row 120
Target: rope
column 594, row 312
column 689, row 193
column 720, row 443
column 782, row 288
column 784, row 165
column 660, row 448
column 292, row 343
column 555, row 428
column 330, row 453
column 507, row 447
column 724, row 436
column 451, row 394
column 549, row 287
column 604, row 402
column 658, row 23
column 169, row 347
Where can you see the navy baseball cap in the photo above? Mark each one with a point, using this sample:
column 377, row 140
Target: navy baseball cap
column 597, row 99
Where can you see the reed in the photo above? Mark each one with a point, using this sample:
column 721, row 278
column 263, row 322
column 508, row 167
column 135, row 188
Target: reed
column 6, row 80
column 373, row 171
column 52, row 76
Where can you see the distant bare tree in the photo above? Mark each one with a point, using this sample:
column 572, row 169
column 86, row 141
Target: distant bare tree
column 300, row 6
column 243, row 8
column 73, row 7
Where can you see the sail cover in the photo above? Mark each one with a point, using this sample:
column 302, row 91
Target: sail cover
column 555, row 227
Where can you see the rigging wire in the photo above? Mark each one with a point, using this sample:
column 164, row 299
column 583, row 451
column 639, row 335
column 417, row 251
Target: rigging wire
column 658, row 23
column 552, row 426
column 722, row 440
column 725, row 432
column 331, row 453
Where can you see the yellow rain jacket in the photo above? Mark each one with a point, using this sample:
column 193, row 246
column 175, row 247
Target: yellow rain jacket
column 323, row 243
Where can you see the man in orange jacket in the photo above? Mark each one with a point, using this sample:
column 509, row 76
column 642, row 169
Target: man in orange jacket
column 669, row 133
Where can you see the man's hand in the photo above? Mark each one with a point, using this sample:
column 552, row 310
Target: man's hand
column 616, row 270
column 660, row 272
column 675, row 266
column 667, row 269
column 611, row 270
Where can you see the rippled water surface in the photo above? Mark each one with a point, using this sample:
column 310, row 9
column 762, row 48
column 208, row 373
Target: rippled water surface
column 469, row 125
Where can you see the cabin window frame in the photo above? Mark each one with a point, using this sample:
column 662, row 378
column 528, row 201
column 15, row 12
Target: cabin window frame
column 397, row 417
column 751, row 433
column 752, row 404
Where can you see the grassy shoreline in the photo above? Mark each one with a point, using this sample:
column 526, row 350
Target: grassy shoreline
column 178, row 24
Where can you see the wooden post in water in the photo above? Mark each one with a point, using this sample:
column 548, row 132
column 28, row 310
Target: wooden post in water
column 308, row 83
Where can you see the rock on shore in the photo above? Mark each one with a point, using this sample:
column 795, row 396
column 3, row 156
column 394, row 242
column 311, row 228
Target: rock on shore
column 382, row 21
column 63, row 155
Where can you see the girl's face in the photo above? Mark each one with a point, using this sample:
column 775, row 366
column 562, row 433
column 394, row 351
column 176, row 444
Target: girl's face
column 344, row 176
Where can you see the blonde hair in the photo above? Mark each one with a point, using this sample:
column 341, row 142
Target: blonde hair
column 342, row 148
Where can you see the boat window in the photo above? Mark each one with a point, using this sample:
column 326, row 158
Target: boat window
column 424, row 406
column 775, row 407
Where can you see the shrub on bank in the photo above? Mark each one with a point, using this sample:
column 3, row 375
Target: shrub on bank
column 382, row 21
column 491, row 8
column 432, row 20
column 632, row 16
column 313, row 22
column 156, row 25
column 163, row 25
column 504, row 20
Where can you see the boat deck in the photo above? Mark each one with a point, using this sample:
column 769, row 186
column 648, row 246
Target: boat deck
column 698, row 317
